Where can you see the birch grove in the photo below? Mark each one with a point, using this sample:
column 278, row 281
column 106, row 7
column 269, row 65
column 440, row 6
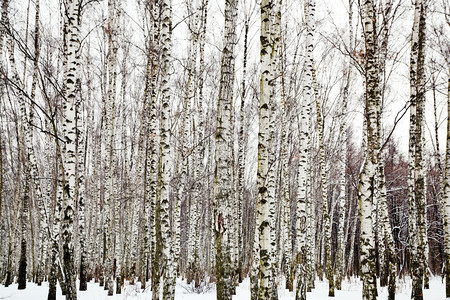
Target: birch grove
column 146, row 148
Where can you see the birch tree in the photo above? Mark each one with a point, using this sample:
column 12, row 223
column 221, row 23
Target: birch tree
column 324, row 190
column 3, row 16
column 110, row 145
column 266, row 175
column 446, row 198
column 416, row 175
column 165, row 165
column 223, row 195
column 367, row 176
column 304, row 148
column 241, row 152
column 154, row 203
column 71, row 32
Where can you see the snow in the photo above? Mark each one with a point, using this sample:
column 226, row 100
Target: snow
column 351, row 290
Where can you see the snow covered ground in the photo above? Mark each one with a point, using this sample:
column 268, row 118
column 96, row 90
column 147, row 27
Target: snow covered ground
column 351, row 290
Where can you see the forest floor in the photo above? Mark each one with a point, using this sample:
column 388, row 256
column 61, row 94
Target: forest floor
column 351, row 290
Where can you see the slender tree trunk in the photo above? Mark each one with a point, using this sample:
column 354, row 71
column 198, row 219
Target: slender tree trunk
column 80, row 198
column 110, row 140
column 186, row 147
column 71, row 94
column 155, row 241
column 24, row 218
column 304, row 147
column 241, row 155
column 286, row 245
column 416, row 174
column 223, row 195
column 302, row 216
column 368, row 173
column 340, row 259
column 165, row 150
column 57, row 213
column 80, row 144
column 44, row 231
column 4, row 15
column 446, row 199
column 390, row 261
column 266, row 175
column 342, row 195
column 324, row 196
column 14, row 220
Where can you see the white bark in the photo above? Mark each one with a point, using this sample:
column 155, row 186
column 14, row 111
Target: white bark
column 304, row 148
column 71, row 94
column 165, row 150
column 266, row 180
column 223, row 193
column 446, row 199
column 340, row 260
column 367, row 176
column 416, row 170
column 110, row 144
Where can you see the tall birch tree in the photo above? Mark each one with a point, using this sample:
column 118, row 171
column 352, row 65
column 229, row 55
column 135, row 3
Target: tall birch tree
column 71, row 32
column 266, row 174
column 368, row 172
column 165, row 158
column 446, row 198
column 416, row 168
column 304, row 148
column 223, row 194
column 110, row 144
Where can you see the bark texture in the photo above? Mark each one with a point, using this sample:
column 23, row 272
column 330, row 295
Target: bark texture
column 367, row 181
column 416, row 168
column 223, row 193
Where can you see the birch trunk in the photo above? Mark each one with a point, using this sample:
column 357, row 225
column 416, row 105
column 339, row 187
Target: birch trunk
column 165, row 150
column 304, row 147
column 110, row 144
column 342, row 183
column 286, row 244
column 44, row 231
column 390, row 257
column 71, row 94
column 301, row 221
column 223, row 195
column 446, row 199
column 199, row 131
column 266, row 175
column 241, row 156
column 57, row 194
column 80, row 145
column 324, row 196
column 186, row 147
column 14, row 220
column 416, row 171
column 144, row 185
column 368, row 173
column 155, row 242
column 24, row 218
column 340, row 259
column 150, row 130
column 4, row 13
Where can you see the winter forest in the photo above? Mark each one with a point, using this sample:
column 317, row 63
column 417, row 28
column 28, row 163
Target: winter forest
column 252, row 149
